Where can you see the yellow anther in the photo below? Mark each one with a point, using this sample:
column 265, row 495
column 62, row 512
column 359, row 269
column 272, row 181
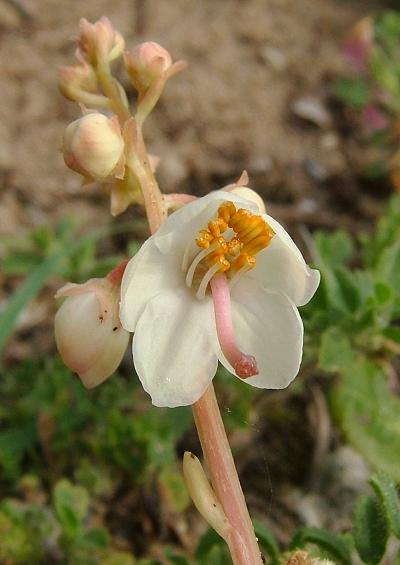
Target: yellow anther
column 226, row 210
column 244, row 260
column 234, row 246
column 204, row 239
column 257, row 244
column 240, row 220
column 224, row 264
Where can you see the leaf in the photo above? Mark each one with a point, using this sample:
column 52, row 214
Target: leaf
column 71, row 505
column 97, row 538
column 335, row 248
column 387, row 493
column 174, row 558
column 335, row 352
column 354, row 92
column 370, row 530
column 334, row 545
column 212, row 549
column 267, row 542
column 31, row 286
column 369, row 414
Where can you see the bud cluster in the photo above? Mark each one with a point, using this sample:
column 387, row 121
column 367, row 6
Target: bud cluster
column 103, row 145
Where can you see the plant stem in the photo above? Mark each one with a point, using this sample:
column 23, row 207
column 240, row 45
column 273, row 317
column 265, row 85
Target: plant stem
column 242, row 542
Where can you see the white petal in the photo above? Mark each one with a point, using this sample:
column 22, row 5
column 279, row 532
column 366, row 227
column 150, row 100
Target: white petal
column 185, row 223
column 174, row 348
column 268, row 326
column 147, row 274
column 281, row 267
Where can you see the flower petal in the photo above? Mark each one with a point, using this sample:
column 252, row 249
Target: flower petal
column 268, row 326
column 174, row 348
column 188, row 220
column 147, row 274
column 281, row 267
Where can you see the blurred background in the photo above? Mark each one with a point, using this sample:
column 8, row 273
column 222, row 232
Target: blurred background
column 304, row 95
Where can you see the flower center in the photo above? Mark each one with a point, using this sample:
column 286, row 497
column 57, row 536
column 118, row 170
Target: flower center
column 228, row 245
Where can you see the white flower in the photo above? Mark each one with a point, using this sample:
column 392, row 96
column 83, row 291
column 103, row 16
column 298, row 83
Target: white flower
column 216, row 279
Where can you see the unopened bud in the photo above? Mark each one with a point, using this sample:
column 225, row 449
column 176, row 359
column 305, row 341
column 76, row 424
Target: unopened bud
column 203, row 495
column 93, row 146
column 250, row 194
column 89, row 335
column 81, row 77
column 145, row 63
column 99, row 40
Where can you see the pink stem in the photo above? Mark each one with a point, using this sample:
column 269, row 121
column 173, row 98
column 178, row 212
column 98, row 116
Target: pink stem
column 242, row 541
column 245, row 365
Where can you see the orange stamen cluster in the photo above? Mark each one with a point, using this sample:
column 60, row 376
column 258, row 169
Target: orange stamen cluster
column 251, row 235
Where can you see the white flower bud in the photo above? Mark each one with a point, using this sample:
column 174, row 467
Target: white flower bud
column 145, row 63
column 88, row 332
column 99, row 40
column 93, row 146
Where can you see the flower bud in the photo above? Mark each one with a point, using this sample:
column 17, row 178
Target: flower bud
column 77, row 77
column 88, row 332
column 99, row 40
column 145, row 63
column 250, row 194
column 93, row 146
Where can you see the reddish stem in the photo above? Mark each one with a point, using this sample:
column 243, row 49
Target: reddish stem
column 242, row 541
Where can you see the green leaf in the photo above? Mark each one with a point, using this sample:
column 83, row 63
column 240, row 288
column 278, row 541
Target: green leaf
column 267, row 542
column 335, row 248
column 97, row 538
column 370, row 530
column 332, row 544
column 212, row 549
column 335, row 352
column 71, row 505
column 174, row 558
column 31, row 286
column 354, row 92
column 369, row 414
column 387, row 493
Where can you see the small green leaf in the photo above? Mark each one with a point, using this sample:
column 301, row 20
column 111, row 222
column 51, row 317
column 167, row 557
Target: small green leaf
column 335, row 352
column 369, row 414
column 174, row 558
column 97, row 538
column 370, row 530
column 71, row 504
column 354, row 92
column 267, row 542
column 385, row 489
column 334, row 545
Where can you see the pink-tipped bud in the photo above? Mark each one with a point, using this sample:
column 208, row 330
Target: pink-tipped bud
column 99, row 41
column 77, row 77
column 145, row 63
column 89, row 335
column 93, row 146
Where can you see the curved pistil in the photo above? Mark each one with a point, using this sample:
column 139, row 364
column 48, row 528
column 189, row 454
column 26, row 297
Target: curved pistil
column 245, row 366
